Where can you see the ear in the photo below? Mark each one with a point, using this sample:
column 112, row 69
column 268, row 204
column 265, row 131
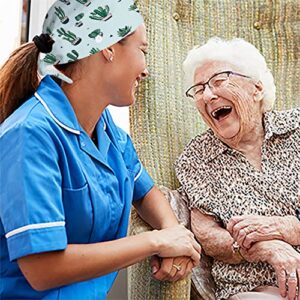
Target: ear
column 259, row 91
column 108, row 54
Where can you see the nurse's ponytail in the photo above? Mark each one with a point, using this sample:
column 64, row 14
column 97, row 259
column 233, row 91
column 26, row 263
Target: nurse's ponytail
column 18, row 79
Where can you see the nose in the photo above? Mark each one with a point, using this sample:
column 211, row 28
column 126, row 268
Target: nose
column 208, row 94
column 145, row 74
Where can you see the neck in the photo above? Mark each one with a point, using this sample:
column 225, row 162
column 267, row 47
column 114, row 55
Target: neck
column 251, row 140
column 86, row 103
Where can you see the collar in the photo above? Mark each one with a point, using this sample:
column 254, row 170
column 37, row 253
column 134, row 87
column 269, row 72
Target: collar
column 281, row 122
column 203, row 149
column 52, row 97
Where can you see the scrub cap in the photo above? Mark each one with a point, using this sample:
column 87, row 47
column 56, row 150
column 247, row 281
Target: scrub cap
column 80, row 28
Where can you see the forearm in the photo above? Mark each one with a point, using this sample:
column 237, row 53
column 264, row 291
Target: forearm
column 215, row 240
column 217, row 243
column 155, row 210
column 289, row 227
column 85, row 261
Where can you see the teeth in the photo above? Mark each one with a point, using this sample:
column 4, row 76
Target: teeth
column 214, row 113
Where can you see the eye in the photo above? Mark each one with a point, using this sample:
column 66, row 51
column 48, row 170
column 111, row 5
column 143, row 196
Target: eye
column 145, row 52
column 218, row 82
column 199, row 91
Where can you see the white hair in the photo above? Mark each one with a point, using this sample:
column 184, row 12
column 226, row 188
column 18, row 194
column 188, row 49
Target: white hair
column 237, row 52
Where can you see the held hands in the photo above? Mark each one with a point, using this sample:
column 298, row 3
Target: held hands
column 177, row 241
column 249, row 229
column 171, row 269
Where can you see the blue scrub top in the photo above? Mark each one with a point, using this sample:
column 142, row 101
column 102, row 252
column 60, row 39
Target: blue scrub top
column 58, row 188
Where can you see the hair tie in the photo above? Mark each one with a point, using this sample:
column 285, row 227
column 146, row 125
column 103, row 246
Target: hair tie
column 43, row 42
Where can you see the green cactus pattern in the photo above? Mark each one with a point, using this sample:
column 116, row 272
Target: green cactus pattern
column 50, row 59
column 95, row 33
column 69, row 36
column 67, row 2
column 73, row 55
column 79, row 17
column 61, row 15
column 133, row 7
column 48, row 30
column 94, row 50
column 101, row 14
column 84, row 2
column 122, row 32
column 75, row 37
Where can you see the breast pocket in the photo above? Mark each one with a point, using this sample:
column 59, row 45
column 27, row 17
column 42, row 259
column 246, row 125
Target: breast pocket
column 78, row 214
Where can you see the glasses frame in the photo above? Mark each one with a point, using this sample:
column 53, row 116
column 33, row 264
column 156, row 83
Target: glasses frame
column 187, row 93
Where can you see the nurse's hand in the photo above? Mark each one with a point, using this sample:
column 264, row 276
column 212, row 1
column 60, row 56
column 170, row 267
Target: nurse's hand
column 177, row 241
column 171, row 269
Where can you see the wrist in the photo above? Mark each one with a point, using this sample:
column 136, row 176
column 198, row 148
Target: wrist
column 154, row 241
column 295, row 232
column 264, row 251
column 236, row 250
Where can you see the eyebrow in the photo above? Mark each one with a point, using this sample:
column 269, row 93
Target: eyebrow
column 145, row 44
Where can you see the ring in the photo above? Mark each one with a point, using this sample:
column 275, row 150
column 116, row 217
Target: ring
column 292, row 275
column 177, row 267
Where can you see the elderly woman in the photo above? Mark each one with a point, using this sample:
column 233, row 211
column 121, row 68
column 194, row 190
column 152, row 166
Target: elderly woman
column 241, row 177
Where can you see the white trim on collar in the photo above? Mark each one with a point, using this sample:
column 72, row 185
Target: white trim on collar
column 53, row 117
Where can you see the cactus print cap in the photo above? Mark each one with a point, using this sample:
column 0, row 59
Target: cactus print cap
column 81, row 28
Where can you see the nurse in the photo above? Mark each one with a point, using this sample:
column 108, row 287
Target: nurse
column 69, row 175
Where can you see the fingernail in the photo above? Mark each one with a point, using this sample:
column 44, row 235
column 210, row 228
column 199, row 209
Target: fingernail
column 154, row 269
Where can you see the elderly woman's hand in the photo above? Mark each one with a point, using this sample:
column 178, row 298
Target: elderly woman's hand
column 171, row 269
column 284, row 259
column 249, row 229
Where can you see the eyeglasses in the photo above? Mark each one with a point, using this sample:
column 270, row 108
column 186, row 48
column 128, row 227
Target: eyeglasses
column 218, row 80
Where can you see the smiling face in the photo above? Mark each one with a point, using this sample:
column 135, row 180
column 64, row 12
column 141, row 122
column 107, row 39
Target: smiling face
column 233, row 109
column 128, row 67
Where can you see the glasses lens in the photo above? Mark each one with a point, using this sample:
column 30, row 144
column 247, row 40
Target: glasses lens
column 218, row 80
column 198, row 90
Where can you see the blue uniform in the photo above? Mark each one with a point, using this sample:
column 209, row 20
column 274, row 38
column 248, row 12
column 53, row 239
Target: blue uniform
column 58, row 188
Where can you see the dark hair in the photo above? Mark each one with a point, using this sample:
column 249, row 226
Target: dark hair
column 18, row 79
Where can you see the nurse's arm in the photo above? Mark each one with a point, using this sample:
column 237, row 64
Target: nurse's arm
column 155, row 210
column 82, row 262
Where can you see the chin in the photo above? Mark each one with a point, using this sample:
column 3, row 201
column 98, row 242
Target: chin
column 228, row 134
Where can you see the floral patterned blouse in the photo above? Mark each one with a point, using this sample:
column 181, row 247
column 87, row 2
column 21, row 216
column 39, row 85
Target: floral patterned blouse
column 220, row 181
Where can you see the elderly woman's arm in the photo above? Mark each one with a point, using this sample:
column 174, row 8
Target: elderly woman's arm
column 283, row 258
column 215, row 240
column 249, row 229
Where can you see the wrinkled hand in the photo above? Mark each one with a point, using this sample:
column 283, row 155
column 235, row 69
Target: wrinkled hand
column 249, row 229
column 163, row 269
column 284, row 259
column 177, row 241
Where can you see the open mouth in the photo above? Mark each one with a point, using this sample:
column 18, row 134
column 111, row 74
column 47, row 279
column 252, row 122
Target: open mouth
column 221, row 112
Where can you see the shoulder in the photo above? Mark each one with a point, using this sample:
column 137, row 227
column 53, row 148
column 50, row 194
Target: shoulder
column 282, row 122
column 30, row 115
column 29, row 127
column 200, row 150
